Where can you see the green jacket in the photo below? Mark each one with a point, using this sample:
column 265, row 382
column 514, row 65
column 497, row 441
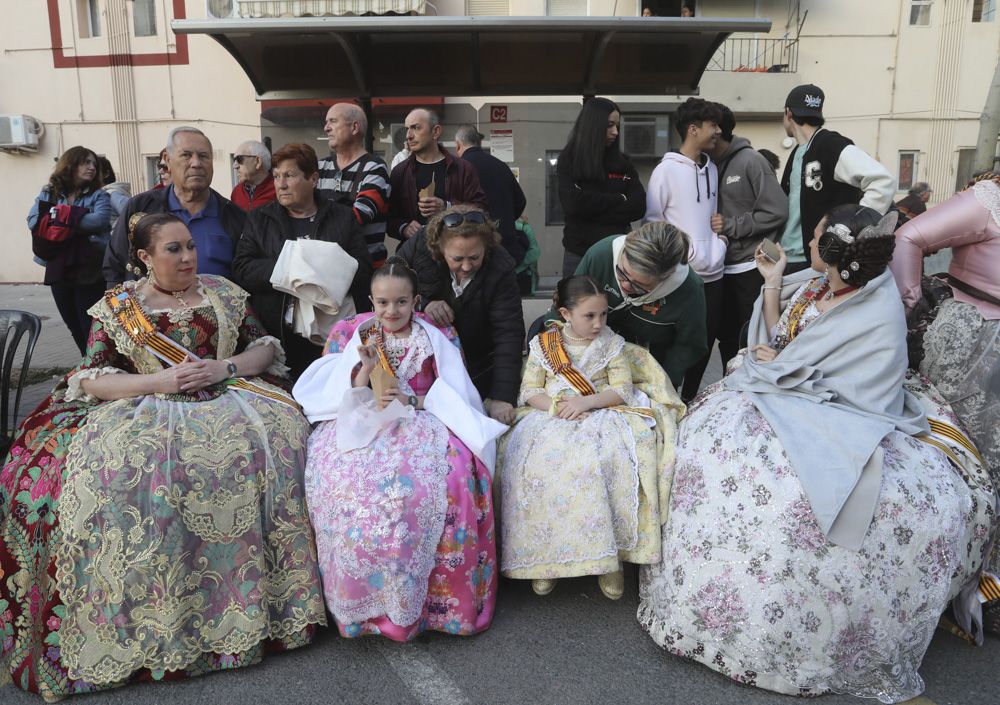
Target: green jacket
column 672, row 328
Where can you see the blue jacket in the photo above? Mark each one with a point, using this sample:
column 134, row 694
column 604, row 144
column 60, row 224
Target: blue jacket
column 76, row 263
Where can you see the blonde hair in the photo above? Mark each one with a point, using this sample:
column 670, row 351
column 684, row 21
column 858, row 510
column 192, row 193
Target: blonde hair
column 438, row 234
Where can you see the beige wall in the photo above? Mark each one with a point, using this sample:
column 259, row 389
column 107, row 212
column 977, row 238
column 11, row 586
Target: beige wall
column 889, row 86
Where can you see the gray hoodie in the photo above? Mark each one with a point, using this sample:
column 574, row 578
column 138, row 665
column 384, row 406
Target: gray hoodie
column 751, row 201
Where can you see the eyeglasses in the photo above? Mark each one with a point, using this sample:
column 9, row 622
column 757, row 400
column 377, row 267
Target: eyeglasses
column 636, row 289
column 161, row 167
column 240, row 157
column 453, row 220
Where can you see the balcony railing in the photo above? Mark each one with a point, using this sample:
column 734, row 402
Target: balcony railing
column 325, row 8
column 753, row 55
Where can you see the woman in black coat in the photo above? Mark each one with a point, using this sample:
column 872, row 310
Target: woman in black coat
column 468, row 280
column 300, row 211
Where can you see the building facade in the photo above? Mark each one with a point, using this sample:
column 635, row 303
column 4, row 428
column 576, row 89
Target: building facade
column 905, row 79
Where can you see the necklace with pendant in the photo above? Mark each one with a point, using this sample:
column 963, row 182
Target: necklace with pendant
column 179, row 295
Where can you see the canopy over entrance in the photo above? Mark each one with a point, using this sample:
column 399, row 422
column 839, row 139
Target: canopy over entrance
column 374, row 57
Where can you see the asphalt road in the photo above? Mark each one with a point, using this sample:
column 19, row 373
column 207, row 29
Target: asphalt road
column 573, row 647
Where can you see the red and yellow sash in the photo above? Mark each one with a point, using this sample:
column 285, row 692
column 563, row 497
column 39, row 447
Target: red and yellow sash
column 551, row 343
column 140, row 329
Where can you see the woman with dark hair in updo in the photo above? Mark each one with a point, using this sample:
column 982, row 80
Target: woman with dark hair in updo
column 583, row 464
column 161, row 480
column 824, row 510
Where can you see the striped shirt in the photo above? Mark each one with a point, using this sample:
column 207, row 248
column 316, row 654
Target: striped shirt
column 364, row 183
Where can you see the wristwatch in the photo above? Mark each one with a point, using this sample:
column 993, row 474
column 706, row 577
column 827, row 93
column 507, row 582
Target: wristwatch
column 230, row 368
column 412, row 401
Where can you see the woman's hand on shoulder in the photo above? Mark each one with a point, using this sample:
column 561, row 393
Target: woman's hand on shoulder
column 440, row 312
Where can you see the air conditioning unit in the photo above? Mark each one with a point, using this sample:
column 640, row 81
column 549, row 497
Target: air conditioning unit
column 19, row 132
column 220, row 9
column 645, row 135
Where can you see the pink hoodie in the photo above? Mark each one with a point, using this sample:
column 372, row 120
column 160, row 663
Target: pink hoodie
column 969, row 223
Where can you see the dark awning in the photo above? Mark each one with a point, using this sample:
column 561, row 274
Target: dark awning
column 371, row 57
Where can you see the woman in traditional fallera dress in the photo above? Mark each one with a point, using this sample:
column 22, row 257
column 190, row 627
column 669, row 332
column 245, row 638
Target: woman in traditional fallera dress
column 152, row 514
column 400, row 496
column 822, row 513
column 580, row 472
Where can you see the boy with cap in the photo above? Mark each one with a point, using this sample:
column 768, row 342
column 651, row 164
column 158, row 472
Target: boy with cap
column 825, row 170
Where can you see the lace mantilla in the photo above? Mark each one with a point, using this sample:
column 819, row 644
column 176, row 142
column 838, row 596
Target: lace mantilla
column 988, row 195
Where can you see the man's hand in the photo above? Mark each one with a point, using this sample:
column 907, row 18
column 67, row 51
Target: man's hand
column 717, row 222
column 430, row 206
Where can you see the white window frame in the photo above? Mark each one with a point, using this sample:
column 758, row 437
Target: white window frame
column 914, row 4
column 151, row 4
column 88, row 13
column 915, row 173
column 987, row 10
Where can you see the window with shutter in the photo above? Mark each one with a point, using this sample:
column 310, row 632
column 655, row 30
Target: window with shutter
column 487, row 7
column 144, row 18
column 570, row 8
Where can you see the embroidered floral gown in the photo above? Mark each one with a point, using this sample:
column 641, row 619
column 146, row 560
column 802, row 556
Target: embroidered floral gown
column 404, row 525
column 160, row 536
column 750, row 586
column 579, row 497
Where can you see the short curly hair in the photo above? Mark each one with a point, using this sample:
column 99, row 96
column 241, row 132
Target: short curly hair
column 438, row 233
column 863, row 259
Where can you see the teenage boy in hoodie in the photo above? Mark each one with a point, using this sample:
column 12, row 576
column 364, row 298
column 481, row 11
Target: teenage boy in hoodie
column 682, row 191
column 752, row 207
column 825, row 170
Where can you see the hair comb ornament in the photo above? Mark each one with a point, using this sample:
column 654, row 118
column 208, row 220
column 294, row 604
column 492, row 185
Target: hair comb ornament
column 132, row 222
column 886, row 227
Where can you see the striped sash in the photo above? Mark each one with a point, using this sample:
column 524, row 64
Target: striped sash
column 140, row 329
column 950, row 441
column 558, row 360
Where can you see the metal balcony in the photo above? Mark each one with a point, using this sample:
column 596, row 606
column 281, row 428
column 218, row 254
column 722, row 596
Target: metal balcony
column 756, row 55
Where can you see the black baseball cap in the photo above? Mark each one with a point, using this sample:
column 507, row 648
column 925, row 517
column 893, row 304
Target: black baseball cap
column 806, row 101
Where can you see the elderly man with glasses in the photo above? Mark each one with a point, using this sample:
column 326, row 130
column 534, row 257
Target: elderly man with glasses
column 252, row 164
column 215, row 223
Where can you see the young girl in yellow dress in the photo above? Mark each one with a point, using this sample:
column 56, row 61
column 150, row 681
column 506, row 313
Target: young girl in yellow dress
column 579, row 474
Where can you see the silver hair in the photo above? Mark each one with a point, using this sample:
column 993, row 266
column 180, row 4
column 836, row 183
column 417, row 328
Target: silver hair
column 469, row 136
column 260, row 151
column 183, row 128
column 655, row 249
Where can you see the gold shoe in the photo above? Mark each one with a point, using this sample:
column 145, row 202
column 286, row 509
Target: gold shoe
column 543, row 586
column 612, row 584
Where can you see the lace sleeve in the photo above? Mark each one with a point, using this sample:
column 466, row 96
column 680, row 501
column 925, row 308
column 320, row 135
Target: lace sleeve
column 532, row 380
column 620, row 378
column 75, row 391
column 278, row 368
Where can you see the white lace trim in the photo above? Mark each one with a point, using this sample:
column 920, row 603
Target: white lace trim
column 417, row 349
column 278, row 366
column 74, row 390
column 988, row 195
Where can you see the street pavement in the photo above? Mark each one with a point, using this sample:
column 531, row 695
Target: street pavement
column 573, row 646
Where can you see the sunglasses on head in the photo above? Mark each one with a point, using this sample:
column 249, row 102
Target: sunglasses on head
column 161, row 167
column 453, row 220
column 240, row 157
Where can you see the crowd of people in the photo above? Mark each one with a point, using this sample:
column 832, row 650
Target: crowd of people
column 275, row 423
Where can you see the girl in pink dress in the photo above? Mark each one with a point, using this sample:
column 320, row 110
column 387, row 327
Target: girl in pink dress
column 400, row 496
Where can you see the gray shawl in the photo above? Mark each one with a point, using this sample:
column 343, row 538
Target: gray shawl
column 832, row 395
